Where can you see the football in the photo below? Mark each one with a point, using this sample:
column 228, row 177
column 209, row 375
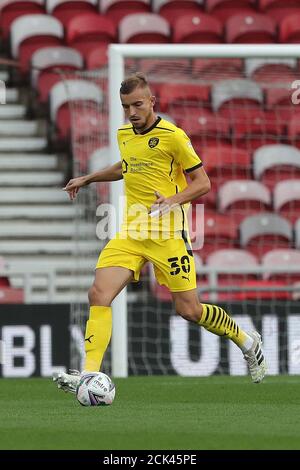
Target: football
column 95, row 389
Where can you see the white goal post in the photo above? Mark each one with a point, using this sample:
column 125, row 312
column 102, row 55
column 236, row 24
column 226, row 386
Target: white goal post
column 117, row 55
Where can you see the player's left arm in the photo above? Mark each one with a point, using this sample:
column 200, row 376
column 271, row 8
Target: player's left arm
column 197, row 186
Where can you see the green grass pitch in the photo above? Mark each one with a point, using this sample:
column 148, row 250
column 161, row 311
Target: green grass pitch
column 155, row 413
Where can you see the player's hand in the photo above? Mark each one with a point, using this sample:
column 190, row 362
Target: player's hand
column 74, row 185
column 162, row 205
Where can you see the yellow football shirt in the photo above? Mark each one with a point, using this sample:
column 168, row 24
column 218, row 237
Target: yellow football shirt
column 155, row 160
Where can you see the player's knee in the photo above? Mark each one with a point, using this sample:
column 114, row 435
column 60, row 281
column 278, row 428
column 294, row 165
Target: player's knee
column 98, row 296
column 188, row 310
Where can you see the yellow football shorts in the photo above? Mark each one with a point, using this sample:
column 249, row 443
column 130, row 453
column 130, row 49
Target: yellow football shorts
column 172, row 259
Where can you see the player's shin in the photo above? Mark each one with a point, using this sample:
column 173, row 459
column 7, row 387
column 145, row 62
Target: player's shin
column 217, row 321
column 97, row 336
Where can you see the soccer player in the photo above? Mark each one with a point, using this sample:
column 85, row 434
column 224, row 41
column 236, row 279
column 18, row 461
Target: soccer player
column 155, row 157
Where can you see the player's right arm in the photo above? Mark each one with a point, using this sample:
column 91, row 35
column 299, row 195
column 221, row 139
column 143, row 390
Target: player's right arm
column 112, row 173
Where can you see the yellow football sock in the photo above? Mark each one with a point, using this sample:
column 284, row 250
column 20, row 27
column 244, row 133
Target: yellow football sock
column 217, row 321
column 97, row 336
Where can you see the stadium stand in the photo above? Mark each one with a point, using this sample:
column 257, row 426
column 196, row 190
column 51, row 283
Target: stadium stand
column 237, row 112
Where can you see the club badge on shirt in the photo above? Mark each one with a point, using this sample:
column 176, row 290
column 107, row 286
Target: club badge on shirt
column 153, row 142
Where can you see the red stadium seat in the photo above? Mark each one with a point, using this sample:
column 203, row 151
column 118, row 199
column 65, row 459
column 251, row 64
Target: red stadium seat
column 10, row 295
column 252, row 128
column 65, row 10
column 275, row 77
column 242, row 198
column 281, row 258
column 227, row 282
column 171, row 10
column 219, row 232
column 12, row 9
column 86, row 31
column 231, row 97
column 224, row 162
column 159, row 70
column 264, row 70
column 31, row 32
column 144, row 28
column 224, row 9
column 203, row 127
column 261, row 233
column 46, row 61
column 286, row 197
column 81, row 91
column 174, row 96
column 217, row 69
column 116, row 10
column 250, row 28
column 289, row 29
column 279, row 9
column 96, row 57
column 197, row 28
column 233, row 258
column 274, row 163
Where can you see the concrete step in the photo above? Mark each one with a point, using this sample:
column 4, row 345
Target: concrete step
column 18, row 127
column 58, row 263
column 12, row 111
column 4, row 75
column 21, row 144
column 24, row 161
column 35, row 247
column 12, row 95
column 62, row 281
column 33, row 178
column 60, row 297
column 72, row 296
column 25, row 195
column 24, row 229
column 63, row 211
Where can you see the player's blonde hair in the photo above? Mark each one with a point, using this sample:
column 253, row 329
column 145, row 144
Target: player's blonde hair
column 136, row 80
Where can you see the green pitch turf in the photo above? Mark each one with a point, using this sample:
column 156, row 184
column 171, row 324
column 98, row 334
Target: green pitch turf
column 154, row 413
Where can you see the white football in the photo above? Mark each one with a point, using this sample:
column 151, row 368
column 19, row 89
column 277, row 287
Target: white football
column 95, row 389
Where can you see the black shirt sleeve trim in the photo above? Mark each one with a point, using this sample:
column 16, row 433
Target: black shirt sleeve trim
column 188, row 170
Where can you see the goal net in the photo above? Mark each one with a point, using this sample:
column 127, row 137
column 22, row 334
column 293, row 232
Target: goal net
column 240, row 108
